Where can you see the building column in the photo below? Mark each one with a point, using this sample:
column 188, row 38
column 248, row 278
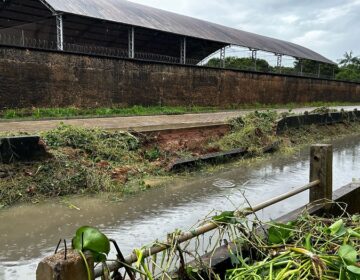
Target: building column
column 222, row 57
column 59, row 33
column 131, row 48
column 183, row 50
column 254, row 58
column 279, row 62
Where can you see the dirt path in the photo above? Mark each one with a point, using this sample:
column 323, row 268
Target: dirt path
column 140, row 123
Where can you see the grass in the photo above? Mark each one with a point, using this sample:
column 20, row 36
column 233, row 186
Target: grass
column 71, row 112
column 74, row 112
column 90, row 161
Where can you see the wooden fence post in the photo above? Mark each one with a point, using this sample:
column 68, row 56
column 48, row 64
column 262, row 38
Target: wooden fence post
column 69, row 266
column 321, row 161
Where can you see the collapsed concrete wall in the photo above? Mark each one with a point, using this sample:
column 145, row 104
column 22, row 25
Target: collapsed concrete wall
column 32, row 78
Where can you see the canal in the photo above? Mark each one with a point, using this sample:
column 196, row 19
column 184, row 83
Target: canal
column 30, row 232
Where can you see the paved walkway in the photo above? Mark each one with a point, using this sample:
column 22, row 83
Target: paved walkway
column 140, row 123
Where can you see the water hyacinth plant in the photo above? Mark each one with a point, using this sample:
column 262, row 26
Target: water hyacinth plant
column 308, row 248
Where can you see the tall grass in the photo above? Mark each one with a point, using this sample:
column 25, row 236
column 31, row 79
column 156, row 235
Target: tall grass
column 74, row 112
column 69, row 112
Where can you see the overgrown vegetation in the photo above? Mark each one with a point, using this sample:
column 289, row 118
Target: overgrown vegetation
column 349, row 68
column 89, row 161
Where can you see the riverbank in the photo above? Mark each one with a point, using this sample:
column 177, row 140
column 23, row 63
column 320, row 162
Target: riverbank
column 88, row 161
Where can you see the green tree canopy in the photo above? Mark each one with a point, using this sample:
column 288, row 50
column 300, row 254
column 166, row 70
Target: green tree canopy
column 243, row 63
column 349, row 68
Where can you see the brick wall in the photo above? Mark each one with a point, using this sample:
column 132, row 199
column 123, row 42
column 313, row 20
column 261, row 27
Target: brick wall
column 30, row 78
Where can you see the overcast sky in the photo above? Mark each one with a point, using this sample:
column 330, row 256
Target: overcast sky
column 329, row 27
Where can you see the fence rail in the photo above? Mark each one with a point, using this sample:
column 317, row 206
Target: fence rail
column 20, row 41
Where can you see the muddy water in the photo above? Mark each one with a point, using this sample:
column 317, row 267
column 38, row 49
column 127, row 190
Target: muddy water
column 30, row 232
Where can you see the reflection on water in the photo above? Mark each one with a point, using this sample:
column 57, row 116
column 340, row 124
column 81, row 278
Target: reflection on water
column 30, row 232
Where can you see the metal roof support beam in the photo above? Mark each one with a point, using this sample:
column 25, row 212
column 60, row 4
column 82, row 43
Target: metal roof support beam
column 44, row 2
column 301, row 67
column 222, row 57
column 254, row 58
column 131, row 49
column 279, row 62
column 59, row 33
column 183, row 50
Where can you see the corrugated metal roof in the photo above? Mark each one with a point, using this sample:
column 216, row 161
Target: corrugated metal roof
column 127, row 12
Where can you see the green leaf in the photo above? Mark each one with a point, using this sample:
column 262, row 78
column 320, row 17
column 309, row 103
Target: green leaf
column 139, row 255
column 91, row 239
column 353, row 269
column 307, row 242
column 337, row 228
column 342, row 274
column 280, row 233
column 348, row 254
column 353, row 233
column 227, row 217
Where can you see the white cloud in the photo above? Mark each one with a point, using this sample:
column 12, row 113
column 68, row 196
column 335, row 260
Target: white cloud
column 313, row 37
column 290, row 19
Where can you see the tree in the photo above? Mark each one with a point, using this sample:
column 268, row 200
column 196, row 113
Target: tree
column 349, row 74
column 347, row 59
column 349, row 68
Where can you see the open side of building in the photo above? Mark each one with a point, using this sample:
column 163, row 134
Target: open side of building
column 125, row 29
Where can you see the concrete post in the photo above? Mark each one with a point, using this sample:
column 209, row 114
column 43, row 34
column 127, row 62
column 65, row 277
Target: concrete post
column 321, row 161
column 73, row 268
